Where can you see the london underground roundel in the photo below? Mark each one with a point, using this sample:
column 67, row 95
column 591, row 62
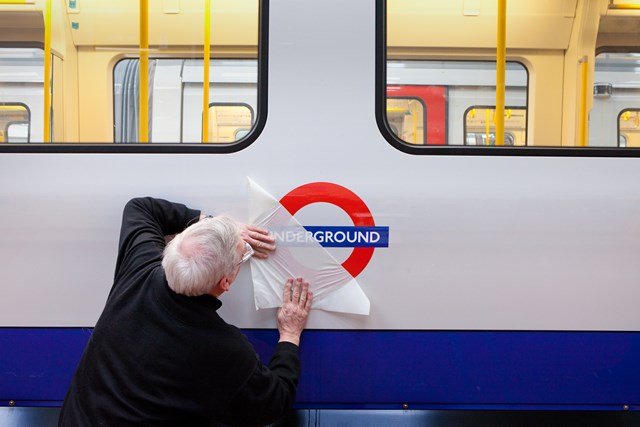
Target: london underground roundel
column 364, row 236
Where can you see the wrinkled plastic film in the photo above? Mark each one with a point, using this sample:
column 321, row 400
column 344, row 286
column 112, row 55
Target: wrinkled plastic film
column 298, row 255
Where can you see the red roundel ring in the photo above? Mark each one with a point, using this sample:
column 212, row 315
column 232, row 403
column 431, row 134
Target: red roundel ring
column 348, row 201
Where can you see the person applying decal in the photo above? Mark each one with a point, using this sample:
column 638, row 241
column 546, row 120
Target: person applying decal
column 160, row 355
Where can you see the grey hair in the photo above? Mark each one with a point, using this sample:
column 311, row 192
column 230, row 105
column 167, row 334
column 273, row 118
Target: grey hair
column 203, row 254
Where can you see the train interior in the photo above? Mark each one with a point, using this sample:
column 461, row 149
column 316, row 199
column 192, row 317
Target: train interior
column 584, row 53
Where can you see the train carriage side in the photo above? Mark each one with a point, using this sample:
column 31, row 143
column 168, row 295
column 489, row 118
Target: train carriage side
column 502, row 274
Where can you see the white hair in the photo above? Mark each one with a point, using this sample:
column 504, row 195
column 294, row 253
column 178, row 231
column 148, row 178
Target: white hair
column 199, row 257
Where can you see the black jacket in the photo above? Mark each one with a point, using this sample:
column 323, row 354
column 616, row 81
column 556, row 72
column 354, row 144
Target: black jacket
column 157, row 358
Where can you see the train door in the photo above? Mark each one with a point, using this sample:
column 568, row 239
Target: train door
column 417, row 114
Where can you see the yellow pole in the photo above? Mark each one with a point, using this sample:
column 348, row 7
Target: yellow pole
column 501, row 65
column 583, row 102
column 143, row 101
column 487, row 119
column 205, row 80
column 47, row 73
column 415, row 122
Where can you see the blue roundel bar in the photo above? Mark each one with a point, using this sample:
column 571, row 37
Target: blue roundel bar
column 335, row 236
column 350, row 237
column 388, row 369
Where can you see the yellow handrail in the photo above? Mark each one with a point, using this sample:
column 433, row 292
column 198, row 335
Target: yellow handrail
column 205, row 80
column 583, row 102
column 625, row 6
column 12, row 108
column 143, row 100
column 47, row 73
column 17, row 1
column 501, row 61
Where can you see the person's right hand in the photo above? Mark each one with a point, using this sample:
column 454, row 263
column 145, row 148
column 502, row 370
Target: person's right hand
column 260, row 240
column 296, row 304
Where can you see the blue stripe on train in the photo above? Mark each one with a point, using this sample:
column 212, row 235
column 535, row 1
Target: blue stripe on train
column 385, row 369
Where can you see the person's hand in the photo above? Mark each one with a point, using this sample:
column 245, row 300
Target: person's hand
column 259, row 239
column 296, row 304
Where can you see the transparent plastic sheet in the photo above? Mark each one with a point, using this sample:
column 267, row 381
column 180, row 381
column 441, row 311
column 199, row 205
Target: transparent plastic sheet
column 298, row 255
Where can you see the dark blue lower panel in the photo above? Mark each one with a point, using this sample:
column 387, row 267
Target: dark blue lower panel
column 36, row 364
column 389, row 369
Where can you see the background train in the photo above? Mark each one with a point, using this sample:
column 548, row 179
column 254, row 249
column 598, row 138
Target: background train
column 508, row 278
column 453, row 98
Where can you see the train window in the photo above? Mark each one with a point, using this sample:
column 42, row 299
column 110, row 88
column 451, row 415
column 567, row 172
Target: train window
column 407, row 118
column 476, row 138
column 479, row 126
column 449, row 90
column 616, row 90
column 17, row 132
column 629, row 128
column 175, row 100
column 241, row 133
column 115, row 90
column 622, row 141
column 229, row 123
column 14, row 122
column 21, row 94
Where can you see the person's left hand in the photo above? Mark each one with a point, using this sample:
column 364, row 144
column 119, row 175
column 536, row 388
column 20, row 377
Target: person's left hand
column 259, row 239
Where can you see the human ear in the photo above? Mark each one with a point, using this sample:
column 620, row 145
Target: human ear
column 225, row 284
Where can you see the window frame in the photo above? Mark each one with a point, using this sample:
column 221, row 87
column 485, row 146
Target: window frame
column 28, row 121
column 181, row 140
column 231, row 104
column 177, row 147
column 464, row 150
column 493, row 107
column 624, row 110
column 424, row 116
column 448, row 101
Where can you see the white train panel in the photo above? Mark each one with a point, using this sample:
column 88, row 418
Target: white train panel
column 475, row 242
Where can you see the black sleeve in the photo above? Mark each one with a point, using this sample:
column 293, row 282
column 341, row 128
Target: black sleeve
column 145, row 222
column 270, row 391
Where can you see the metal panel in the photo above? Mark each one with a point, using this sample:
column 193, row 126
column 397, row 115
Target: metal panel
column 390, row 369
